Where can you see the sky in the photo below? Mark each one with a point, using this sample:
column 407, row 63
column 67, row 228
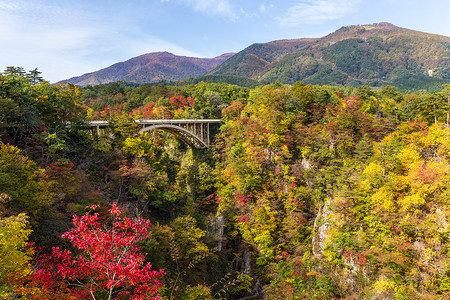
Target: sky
column 67, row 38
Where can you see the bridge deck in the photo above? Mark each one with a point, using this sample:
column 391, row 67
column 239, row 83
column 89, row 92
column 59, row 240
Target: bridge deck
column 144, row 122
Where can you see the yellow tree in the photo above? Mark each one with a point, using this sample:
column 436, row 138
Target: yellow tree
column 14, row 253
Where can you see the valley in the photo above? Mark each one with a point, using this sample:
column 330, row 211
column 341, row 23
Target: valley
column 322, row 173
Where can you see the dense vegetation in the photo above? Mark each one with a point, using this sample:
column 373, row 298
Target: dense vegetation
column 311, row 192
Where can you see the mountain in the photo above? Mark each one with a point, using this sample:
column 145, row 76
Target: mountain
column 151, row 67
column 376, row 54
column 256, row 59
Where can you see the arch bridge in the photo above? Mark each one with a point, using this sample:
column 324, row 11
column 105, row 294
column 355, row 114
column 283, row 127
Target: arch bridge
column 195, row 132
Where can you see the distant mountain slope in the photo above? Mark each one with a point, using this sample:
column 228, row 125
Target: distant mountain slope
column 256, row 59
column 228, row 79
column 376, row 54
column 151, row 67
column 371, row 54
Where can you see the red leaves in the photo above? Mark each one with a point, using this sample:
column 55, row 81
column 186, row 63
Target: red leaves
column 191, row 101
column 360, row 259
column 114, row 210
column 233, row 110
column 352, row 103
column 108, row 257
column 427, row 174
column 59, row 168
column 243, row 219
column 177, row 101
column 148, row 111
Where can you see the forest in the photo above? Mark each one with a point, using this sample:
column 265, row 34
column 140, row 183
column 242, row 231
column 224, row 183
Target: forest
column 309, row 192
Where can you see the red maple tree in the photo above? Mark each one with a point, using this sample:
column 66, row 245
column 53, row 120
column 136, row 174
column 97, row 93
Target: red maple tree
column 107, row 258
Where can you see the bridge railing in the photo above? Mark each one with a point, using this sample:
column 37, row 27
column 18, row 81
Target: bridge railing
column 104, row 123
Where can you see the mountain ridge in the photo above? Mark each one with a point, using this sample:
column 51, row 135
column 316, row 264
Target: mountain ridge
column 257, row 57
column 151, row 67
column 374, row 54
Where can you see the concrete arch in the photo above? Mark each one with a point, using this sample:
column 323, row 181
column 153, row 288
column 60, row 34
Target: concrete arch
column 194, row 132
column 180, row 132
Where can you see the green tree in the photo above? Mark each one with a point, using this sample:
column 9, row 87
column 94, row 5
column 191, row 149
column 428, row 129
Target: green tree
column 14, row 71
column 34, row 76
column 25, row 183
column 433, row 107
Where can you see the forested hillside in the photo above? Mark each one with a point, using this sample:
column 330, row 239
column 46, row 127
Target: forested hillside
column 255, row 60
column 310, row 192
column 376, row 55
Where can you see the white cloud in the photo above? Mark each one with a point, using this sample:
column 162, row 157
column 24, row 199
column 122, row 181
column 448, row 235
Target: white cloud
column 217, row 7
column 265, row 8
column 317, row 11
column 4, row 5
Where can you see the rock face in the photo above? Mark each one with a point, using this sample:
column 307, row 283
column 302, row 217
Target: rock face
column 351, row 269
column 215, row 230
column 322, row 224
column 246, row 262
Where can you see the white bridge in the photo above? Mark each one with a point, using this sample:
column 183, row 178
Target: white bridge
column 195, row 132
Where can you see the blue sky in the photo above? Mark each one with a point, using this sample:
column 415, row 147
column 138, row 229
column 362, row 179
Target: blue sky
column 66, row 38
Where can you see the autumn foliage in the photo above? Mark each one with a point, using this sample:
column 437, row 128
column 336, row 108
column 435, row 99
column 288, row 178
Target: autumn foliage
column 309, row 192
column 106, row 259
